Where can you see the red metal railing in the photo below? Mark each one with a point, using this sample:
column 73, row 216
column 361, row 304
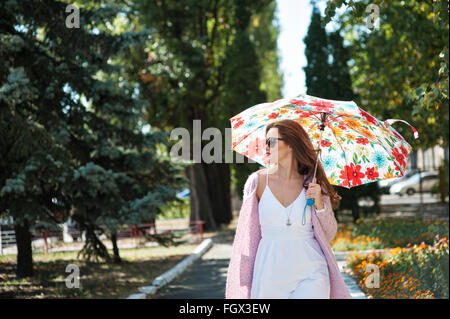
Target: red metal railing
column 196, row 227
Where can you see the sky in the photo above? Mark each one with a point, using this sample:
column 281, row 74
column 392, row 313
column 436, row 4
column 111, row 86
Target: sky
column 294, row 18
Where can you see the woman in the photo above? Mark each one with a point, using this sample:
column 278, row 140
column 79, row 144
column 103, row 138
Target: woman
column 281, row 249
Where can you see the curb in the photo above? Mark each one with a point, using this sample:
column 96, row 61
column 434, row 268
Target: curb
column 350, row 282
column 169, row 275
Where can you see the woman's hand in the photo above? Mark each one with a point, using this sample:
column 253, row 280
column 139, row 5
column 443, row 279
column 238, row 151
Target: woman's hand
column 315, row 191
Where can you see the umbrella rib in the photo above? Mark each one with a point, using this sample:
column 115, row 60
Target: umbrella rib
column 345, row 157
column 314, row 124
column 311, row 127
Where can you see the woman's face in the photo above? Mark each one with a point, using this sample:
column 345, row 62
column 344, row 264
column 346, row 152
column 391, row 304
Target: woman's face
column 278, row 150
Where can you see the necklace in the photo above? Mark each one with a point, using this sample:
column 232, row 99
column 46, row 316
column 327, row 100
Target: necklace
column 288, row 221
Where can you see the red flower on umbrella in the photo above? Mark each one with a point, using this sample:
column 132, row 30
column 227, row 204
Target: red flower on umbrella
column 238, row 123
column 351, row 174
column 273, row 115
column 302, row 113
column 241, row 138
column 322, row 106
column 362, row 140
column 255, row 147
column 399, row 136
column 369, row 117
column 325, row 143
column 342, row 126
column 371, row 173
column 399, row 157
column 404, row 151
column 397, row 168
column 298, row 102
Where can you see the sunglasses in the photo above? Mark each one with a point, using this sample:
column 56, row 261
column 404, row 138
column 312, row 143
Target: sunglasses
column 272, row 141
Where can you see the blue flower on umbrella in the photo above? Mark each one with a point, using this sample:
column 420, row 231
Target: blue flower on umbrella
column 249, row 124
column 328, row 163
column 379, row 158
column 349, row 105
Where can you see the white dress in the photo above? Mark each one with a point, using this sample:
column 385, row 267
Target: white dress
column 289, row 262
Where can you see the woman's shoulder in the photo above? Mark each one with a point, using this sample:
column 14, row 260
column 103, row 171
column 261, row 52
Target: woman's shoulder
column 259, row 173
column 252, row 180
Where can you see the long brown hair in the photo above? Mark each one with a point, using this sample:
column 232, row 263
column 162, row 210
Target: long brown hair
column 303, row 151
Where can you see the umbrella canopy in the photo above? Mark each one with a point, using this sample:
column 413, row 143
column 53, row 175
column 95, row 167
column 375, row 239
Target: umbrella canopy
column 355, row 147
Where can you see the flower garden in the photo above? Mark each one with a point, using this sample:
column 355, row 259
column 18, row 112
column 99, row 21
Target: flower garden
column 413, row 264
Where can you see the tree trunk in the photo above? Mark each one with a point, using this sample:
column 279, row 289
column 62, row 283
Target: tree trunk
column 442, row 188
column 200, row 203
column 218, row 175
column 116, row 258
column 210, row 194
column 24, row 250
column 93, row 248
column 355, row 212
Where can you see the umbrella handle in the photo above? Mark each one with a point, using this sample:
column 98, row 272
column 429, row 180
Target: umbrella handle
column 311, row 201
column 388, row 122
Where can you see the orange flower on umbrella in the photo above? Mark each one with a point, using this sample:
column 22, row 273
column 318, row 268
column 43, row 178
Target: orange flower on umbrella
column 353, row 124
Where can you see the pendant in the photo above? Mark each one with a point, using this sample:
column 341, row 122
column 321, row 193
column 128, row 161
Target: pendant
column 288, row 222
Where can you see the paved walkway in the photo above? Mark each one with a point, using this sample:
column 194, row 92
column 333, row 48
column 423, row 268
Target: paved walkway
column 206, row 278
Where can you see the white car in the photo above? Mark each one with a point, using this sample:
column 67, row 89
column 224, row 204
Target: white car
column 412, row 184
column 385, row 184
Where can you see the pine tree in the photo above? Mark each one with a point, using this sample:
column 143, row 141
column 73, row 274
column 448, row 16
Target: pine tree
column 71, row 129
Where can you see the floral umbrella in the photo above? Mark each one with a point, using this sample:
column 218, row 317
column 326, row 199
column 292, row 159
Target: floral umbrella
column 355, row 147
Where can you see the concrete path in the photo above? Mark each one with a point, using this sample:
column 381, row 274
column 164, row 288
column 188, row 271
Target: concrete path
column 206, row 278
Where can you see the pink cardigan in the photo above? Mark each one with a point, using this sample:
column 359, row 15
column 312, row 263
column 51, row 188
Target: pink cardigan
column 248, row 235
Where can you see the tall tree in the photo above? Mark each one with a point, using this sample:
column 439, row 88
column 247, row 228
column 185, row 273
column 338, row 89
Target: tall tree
column 317, row 70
